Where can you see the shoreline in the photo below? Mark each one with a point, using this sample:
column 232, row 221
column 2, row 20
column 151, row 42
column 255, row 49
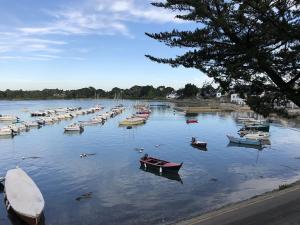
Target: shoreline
column 251, row 207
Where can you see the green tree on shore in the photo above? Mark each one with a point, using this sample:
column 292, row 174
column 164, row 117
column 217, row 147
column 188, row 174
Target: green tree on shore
column 252, row 46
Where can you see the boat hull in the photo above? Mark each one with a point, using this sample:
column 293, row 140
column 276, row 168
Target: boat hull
column 244, row 141
column 168, row 167
column 199, row 145
column 27, row 220
column 23, row 197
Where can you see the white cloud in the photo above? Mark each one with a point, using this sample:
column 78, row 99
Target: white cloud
column 94, row 17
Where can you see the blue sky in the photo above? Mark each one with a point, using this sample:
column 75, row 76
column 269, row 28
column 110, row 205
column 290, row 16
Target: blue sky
column 72, row 44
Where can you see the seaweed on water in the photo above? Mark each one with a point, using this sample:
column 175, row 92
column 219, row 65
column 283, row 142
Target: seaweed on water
column 84, row 196
column 284, row 186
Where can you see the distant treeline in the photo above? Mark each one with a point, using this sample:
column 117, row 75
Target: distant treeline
column 135, row 92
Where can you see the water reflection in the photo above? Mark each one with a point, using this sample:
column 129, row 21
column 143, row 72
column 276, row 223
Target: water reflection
column 73, row 133
column 113, row 176
column 245, row 146
column 15, row 220
column 170, row 176
column 200, row 148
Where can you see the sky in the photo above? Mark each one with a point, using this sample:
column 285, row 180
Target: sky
column 72, row 44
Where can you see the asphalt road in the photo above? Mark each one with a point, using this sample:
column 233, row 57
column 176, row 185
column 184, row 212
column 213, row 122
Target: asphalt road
column 275, row 208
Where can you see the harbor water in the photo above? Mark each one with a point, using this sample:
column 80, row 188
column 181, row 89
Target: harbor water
column 109, row 187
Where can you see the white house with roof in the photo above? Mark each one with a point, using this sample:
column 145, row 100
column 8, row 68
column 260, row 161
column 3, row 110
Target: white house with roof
column 172, row 95
column 235, row 98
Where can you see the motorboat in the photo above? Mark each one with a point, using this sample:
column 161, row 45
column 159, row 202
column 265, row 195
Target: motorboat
column 74, row 127
column 6, row 131
column 258, row 136
column 32, row 124
column 244, row 141
column 8, row 118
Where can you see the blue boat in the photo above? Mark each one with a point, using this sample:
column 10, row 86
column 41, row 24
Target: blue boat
column 244, row 141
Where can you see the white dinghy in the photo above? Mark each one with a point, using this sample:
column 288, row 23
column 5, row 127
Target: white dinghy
column 23, row 196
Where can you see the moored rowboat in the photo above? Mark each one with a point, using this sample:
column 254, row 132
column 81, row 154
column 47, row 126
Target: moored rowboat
column 23, row 196
column 161, row 165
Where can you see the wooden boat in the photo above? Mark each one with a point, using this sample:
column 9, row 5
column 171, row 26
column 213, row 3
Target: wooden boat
column 160, row 165
column 23, row 196
column 258, row 136
column 74, row 127
column 198, row 144
column 191, row 121
column 244, row 141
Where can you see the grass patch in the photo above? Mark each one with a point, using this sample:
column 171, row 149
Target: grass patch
column 284, row 186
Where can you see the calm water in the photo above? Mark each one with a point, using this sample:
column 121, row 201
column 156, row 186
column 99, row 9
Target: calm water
column 122, row 193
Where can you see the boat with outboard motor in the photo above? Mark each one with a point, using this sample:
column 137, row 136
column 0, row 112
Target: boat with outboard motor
column 244, row 141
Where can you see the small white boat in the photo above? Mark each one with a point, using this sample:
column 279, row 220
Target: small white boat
column 244, row 141
column 23, row 196
column 90, row 122
column 6, row 131
column 8, row 118
column 17, row 128
column 258, row 136
column 97, row 118
column 48, row 120
column 68, row 116
column 31, row 124
column 74, row 127
column 246, row 119
column 61, row 116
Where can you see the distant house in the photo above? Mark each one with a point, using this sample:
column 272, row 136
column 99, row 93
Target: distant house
column 235, row 98
column 173, row 95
